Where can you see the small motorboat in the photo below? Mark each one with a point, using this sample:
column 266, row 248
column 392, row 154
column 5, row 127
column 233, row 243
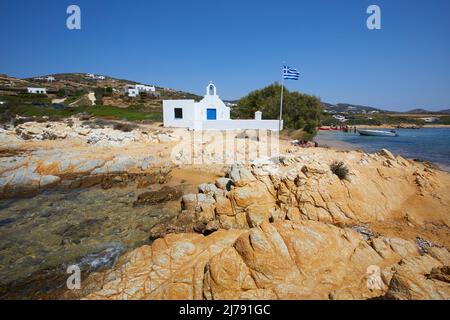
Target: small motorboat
column 378, row 133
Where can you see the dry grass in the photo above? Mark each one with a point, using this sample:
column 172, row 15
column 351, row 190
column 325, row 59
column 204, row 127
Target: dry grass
column 340, row 169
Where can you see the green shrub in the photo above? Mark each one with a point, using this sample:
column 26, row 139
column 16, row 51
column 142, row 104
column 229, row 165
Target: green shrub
column 340, row 169
column 311, row 127
column 444, row 120
column 61, row 93
column 300, row 111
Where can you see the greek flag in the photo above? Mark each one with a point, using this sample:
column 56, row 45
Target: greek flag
column 290, row 73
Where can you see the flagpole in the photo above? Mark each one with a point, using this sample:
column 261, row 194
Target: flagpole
column 281, row 100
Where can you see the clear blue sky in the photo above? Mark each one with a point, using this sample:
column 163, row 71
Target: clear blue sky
column 241, row 46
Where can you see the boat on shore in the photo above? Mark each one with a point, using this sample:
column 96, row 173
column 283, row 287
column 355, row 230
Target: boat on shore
column 378, row 133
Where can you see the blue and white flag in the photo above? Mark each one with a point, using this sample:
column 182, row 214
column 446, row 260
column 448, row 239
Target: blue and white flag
column 290, row 73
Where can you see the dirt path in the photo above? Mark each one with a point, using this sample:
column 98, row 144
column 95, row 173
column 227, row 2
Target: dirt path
column 92, row 98
column 59, row 100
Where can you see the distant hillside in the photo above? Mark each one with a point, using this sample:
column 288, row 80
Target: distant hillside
column 417, row 111
column 424, row 111
column 75, row 84
column 115, row 83
column 349, row 108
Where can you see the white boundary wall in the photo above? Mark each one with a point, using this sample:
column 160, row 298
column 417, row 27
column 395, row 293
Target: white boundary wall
column 241, row 125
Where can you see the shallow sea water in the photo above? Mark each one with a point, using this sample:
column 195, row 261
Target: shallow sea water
column 429, row 144
column 42, row 235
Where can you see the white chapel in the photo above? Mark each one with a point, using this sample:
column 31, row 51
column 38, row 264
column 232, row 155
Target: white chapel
column 210, row 113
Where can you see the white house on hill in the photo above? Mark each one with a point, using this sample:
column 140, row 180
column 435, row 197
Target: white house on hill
column 49, row 78
column 95, row 77
column 144, row 88
column 37, row 90
column 137, row 88
column 430, row 119
column 340, row 118
column 210, row 113
column 132, row 92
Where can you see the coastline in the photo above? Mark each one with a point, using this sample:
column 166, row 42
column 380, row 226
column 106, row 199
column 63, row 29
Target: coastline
column 328, row 139
column 391, row 126
column 132, row 206
column 334, row 144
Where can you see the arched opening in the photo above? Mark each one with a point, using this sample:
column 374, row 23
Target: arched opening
column 211, row 89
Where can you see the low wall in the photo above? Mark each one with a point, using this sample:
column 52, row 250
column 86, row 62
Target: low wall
column 241, row 125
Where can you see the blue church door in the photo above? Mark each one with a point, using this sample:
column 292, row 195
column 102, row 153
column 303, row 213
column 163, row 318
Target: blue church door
column 211, row 114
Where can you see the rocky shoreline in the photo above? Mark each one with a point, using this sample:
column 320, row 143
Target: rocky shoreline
column 67, row 195
column 89, row 160
column 296, row 233
column 305, row 224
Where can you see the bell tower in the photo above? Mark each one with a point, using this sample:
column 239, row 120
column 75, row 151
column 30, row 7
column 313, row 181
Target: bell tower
column 211, row 89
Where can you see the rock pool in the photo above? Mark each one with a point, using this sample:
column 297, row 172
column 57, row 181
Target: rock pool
column 42, row 235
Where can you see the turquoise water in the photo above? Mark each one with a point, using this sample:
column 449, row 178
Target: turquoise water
column 430, row 144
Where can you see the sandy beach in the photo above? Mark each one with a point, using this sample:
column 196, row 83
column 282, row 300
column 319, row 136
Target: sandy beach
column 326, row 141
